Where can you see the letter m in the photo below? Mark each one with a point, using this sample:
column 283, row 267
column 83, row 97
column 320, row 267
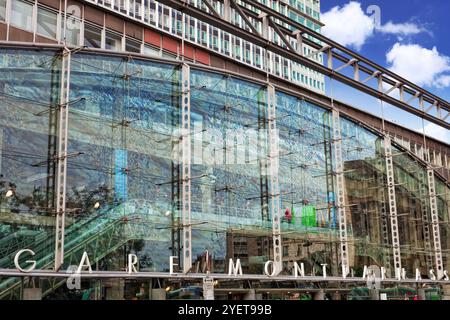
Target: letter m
column 234, row 269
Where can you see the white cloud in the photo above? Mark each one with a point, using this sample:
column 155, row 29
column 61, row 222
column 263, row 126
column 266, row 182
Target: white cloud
column 403, row 29
column 437, row 132
column 443, row 81
column 420, row 65
column 348, row 25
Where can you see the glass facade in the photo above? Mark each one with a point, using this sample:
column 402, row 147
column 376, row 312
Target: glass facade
column 124, row 175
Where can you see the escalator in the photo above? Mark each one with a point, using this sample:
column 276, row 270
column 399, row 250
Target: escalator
column 100, row 235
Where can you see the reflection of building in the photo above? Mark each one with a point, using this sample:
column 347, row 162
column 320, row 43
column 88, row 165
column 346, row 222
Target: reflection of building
column 126, row 190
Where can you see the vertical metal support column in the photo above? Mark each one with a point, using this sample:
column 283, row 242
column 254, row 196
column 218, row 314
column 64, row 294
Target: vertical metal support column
column 274, row 188
column 227, row 10
column 340, row 188
column 299, row 39
column 424, row 195
column 186, row 167
column 356, row 71
column 265, row 26
column 381, row 182
column 435, row 223
column 392, row 206
column 62, row 157
column 330, row 59
column 331, row 197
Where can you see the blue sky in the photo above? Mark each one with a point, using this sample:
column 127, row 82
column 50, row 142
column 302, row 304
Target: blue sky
column 411, row 39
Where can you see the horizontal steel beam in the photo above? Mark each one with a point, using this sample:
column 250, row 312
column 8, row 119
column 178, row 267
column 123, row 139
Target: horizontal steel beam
column 216, row 276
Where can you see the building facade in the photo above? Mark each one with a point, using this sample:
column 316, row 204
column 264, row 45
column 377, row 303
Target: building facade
column 179, row 158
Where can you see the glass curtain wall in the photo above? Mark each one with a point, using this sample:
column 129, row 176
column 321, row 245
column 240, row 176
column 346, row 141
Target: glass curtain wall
column 306, row 185
column 122, row 181
column 366, row 195
column 229, row 165
column 29, row 95
column 123, row 173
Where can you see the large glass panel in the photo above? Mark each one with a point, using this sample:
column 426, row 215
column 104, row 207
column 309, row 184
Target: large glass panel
column 122, row 183
column 414, row 216
column 229, row 180
column 21, row 15
column 306, row 185
column 366, row 194
column 29, row 93
column 47, row 23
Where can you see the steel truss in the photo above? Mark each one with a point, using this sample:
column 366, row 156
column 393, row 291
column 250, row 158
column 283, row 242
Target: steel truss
column 201, row 276
column 295, row 35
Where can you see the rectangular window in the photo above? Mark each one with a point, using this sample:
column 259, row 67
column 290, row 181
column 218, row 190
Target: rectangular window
column 72, row 31
column 132, row 46
column 113, row 41
column 164, row 18
column 2, row 10
column 92, row 36
column 151, row 51
column 47, row 23
column 21, row 15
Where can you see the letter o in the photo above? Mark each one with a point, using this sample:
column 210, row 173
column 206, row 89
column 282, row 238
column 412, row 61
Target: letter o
column 266, row 269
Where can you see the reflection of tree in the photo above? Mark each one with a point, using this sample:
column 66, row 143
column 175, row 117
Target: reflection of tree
column 83, row 200
column 137, row 247
column 36, row 201
column 13, row 203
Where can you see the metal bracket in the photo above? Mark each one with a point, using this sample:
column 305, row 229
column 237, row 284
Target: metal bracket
column 62, row 158
column 435, row 223
column 392, row 204
column 340, row 188
column 274, row 188
column 186, row 167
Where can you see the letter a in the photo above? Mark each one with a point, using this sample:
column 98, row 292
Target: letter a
column 84, row 263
